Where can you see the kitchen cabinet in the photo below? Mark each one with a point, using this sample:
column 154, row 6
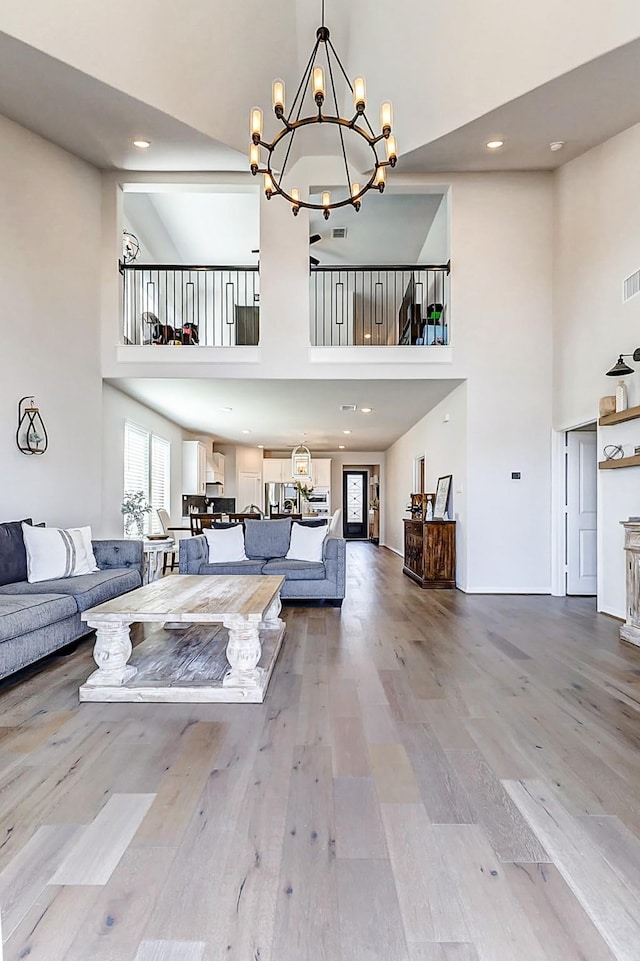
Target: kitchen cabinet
column 276, row 470
column 194, row 467
column 321, row 472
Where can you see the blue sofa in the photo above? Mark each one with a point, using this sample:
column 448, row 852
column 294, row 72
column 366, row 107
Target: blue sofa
column 266, row 543
column 38, row 619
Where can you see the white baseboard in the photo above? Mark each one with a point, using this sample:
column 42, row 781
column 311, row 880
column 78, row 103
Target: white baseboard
column 506, row 590
column 395, row 551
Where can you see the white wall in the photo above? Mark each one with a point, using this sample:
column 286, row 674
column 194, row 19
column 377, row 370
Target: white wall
column 501, row 251
column 49, row 251
column 118, row 408
column 597, row 245
column 436, row 244
column 443, row 444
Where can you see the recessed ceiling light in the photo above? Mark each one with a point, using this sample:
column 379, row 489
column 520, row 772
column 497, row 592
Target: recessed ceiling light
column 340, row 446
column 556, row 145
column 246, row 431
column 142, row 144
column 261, row 446
column 226, row 410
column 494, row 144
column 366, row 410
column 346, row 431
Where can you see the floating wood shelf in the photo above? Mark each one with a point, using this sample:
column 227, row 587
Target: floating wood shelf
column 620, row 462
column 631, row 413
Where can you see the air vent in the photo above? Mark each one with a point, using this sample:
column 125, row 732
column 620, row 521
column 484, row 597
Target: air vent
column 631, row 286
column 348, row 407
column 339, row 233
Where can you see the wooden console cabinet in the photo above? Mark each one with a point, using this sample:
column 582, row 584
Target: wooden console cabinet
column 630, row 631
column 430, row 553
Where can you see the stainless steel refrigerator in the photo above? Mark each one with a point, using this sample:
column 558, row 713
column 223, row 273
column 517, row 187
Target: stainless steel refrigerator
column 281, row 499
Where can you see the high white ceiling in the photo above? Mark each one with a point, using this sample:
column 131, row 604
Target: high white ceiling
column 96, row 121
column 280, row 414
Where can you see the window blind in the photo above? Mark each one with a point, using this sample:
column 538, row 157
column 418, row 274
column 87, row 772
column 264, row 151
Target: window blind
column 160, row 479
column 147, row 468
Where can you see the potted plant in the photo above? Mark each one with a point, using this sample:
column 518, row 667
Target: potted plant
column 134, row 507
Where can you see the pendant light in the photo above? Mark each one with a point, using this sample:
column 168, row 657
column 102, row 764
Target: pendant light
column 301, row 463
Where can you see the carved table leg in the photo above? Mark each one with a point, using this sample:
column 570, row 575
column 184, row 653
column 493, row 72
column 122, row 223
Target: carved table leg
column 272, row 620
column 243, row 652
column 111, row 652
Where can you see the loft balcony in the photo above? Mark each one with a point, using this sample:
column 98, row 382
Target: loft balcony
column 395, row 306
column 380, row 306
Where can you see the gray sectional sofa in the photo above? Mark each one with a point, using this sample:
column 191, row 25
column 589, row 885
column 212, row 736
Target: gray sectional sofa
column 266, row 543
column 37, row 619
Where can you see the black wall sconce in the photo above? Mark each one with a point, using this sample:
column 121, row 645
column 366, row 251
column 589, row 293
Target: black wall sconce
column 31, row 436
column 620, row 369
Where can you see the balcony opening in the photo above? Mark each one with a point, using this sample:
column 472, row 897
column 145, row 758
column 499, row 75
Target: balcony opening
column 380, row 277
column 196, row 280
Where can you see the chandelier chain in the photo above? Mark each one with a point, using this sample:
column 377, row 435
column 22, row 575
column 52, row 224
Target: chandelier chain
column 306, row 76
column 335, row 101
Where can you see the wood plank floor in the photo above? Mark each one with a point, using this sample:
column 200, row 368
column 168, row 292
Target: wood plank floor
column 432, row 777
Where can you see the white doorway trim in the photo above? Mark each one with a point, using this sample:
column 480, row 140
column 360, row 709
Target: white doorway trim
column 558, row 504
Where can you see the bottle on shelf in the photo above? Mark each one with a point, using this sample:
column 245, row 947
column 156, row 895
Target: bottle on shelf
column 621, row 396
column 429, row 511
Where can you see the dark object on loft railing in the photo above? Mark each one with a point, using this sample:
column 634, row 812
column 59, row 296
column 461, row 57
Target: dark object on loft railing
column 31, row 435
column 166, row 334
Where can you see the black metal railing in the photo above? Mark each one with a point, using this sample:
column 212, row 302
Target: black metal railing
column 172, row 304
column 380, row 306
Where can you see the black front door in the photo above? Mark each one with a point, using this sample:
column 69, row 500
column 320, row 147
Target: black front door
column 354, row 499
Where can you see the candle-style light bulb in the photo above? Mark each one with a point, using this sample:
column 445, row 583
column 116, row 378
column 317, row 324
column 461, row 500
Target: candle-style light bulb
column 254, row 158
column 326, row 203
column 278, row 98
column 386, row 118
column 318, row 85
column 359, row 94
column 392, row 149
column 381, row 179
column 295, row 196
column 268, row 186
column 256, row 124
column 355, row 190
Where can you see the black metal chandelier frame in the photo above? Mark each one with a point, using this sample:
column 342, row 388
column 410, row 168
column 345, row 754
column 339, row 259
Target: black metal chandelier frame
column 293, row 122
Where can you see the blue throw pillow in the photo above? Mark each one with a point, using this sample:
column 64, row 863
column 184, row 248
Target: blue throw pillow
column 13, row 556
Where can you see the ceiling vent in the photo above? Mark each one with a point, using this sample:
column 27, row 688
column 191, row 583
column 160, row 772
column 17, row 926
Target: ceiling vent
column 631, row 286
column 339, row 233
column 348, row 407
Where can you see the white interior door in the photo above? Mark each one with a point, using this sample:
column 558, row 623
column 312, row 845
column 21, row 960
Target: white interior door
column 249, row 490
column 582, row 473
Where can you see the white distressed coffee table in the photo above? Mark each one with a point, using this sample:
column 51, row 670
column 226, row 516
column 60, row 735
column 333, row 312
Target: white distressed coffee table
column 176, row 667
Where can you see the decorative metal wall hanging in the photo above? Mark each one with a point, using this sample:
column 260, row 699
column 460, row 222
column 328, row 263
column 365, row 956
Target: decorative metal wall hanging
column 31, row 436
column 130, row 247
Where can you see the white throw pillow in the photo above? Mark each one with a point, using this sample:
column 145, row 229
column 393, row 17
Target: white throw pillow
column 306, row 542
column 225, row 544
column 53, row 553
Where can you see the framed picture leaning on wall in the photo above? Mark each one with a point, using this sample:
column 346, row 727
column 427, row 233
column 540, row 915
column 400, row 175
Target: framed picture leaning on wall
column 443, row 491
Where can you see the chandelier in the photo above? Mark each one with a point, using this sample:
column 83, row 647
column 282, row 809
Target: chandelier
column 314, row 79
